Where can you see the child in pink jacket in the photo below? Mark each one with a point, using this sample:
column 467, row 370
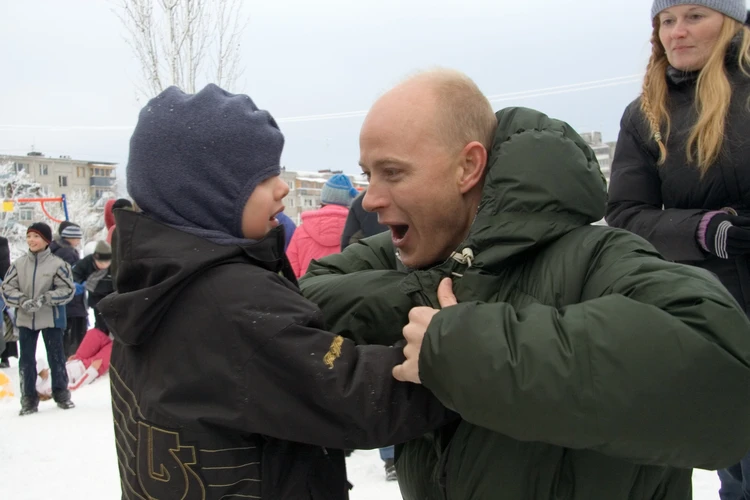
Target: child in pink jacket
column 319, row 234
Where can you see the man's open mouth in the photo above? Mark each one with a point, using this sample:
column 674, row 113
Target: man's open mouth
column 398, row 232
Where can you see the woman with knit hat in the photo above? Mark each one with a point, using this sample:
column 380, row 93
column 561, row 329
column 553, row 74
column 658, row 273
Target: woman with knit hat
column 681, row 171
column 320, row 232
column 39, row 285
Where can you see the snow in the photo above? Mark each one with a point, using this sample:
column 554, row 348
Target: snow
column 70, row 454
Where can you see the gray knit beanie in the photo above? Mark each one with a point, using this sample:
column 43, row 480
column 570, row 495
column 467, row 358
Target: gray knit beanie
column 736, row 9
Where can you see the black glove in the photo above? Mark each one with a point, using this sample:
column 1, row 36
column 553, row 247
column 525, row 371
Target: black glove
column 728, row 235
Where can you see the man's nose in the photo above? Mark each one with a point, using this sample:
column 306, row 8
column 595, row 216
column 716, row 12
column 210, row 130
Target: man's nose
column 373, row 199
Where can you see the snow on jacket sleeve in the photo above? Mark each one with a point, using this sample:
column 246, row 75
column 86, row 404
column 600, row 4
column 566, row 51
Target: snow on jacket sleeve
column 307, row 385
column 635, row 201
column 11, row 289
column 644, row 368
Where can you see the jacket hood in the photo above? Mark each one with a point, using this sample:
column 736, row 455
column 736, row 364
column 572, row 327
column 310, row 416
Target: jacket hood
column 156, row 262
column 542, row 182
column 326, row 224
column 109, row 217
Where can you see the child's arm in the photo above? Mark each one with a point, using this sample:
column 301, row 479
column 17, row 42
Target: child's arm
column 11, row 288
column 63, row 290
column 301, row 383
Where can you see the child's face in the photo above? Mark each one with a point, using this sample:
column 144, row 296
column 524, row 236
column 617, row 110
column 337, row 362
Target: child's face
column 36, row 243
column 259, row 215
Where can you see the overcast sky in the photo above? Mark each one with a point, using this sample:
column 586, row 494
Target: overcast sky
column 68, row 77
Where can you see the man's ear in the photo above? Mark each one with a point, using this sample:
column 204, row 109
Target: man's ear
column 473, row 162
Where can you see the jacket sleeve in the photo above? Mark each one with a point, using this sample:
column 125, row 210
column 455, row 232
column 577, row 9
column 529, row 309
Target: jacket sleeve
column 82, row 270
column 357, row 285
column 635, row 201
column 646, row 368
column 292, row 253
column 11, row 288
column 352, row 224
column 307, row 385
column 64, row 289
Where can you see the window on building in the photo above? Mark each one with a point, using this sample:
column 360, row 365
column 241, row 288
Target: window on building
column 26, row 215
column 62, row 180
column 80, row 171
column 43, row 169
column 21, row 167
column 291, row 202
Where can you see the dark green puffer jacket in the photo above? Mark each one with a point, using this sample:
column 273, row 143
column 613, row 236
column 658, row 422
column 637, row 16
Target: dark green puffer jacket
column 584, row 366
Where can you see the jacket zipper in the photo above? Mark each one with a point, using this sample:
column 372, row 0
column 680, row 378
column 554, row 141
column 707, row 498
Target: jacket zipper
column 33, row 291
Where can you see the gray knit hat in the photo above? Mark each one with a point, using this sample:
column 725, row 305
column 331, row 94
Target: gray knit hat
column 736, row 9
column 72, row 231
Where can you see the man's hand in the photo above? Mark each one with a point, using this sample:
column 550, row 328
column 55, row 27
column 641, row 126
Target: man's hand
column 419, row 320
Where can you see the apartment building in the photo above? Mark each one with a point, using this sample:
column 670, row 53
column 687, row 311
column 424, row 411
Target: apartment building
column 64, row 175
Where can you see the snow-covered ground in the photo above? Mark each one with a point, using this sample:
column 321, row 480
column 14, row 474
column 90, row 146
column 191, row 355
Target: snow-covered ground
column 70, row 454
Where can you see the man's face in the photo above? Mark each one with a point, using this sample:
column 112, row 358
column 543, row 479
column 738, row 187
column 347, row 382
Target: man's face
column 414, row 178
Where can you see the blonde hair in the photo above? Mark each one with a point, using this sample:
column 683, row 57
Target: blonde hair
column 464, row 112
column 713, row 94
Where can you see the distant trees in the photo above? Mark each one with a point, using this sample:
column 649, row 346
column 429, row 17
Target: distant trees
column 184, row 42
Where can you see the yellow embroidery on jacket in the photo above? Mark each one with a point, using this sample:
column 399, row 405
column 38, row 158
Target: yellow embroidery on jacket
column 334, row 352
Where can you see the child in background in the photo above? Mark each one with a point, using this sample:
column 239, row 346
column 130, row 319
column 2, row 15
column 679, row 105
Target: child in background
column 90, row 361
column 39, row 285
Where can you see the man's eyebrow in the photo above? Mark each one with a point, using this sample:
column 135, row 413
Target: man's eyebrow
column 389, row 161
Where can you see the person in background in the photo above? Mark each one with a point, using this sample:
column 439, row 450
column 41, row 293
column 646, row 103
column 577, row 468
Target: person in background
column 65, row 246
column 92, row 274
column 319, row 233
column 39, row 285
column 360, row 223
column 681, row 171
column 109, row 217
column 289, row 228
column 10, row 349
column 90, row 362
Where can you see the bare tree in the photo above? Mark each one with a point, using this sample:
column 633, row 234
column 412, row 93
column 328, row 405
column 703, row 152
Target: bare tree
column 181, row 42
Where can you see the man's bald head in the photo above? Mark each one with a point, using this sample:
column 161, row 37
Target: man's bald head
column 459, row 112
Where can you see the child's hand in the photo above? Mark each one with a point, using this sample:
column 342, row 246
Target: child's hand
column 30, row 306
column 96, row 364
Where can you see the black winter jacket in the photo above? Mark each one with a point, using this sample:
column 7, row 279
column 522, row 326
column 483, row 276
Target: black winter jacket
column 84, row 270
column 224, row 384
column 360, row 223
column 76, row 308
column 639, row 188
